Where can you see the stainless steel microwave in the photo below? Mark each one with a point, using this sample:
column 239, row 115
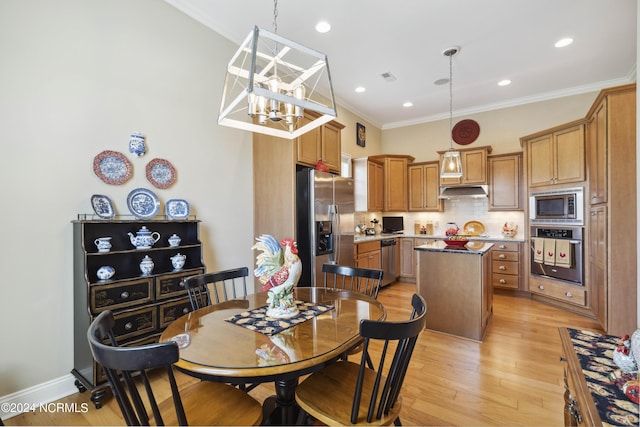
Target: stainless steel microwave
column 562, row 206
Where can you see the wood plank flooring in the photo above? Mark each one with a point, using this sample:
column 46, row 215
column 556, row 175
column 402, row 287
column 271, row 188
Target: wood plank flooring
column 513, row 378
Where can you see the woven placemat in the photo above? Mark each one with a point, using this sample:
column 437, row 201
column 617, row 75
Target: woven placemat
column 257, row 319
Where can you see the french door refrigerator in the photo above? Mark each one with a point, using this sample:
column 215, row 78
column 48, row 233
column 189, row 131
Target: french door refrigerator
column 325, row 223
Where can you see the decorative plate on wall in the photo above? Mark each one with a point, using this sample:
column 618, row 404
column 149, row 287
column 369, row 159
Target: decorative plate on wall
column 161, row 173
column 143, row 203
column 112, row 167
column 177, row 209
column 465, row 132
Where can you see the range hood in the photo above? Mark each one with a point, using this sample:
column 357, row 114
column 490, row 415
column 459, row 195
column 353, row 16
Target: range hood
column 471, row 192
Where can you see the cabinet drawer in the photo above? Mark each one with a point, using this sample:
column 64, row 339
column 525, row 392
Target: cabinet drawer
column 368, row 246
column 507, row 246
column 573, row 294
column 119, row 295
column 505, row 281
column 505, row 267
column 505, row 256
column 170, row 285
column 135, row 322
column 170, row 311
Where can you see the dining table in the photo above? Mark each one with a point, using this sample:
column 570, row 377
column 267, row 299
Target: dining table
column 236, row 343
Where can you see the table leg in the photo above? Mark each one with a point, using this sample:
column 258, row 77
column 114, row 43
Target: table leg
column 281, row 409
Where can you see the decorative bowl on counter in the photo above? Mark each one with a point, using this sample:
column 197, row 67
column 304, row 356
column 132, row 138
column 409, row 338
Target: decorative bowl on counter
column 509, row 229
column 456, row 241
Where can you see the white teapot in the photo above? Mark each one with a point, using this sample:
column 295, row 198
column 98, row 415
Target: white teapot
column 144, row 238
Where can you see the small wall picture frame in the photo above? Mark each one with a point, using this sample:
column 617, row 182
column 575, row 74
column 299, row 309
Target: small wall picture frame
column 361, row 135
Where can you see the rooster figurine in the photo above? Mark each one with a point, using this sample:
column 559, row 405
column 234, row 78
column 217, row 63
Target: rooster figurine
column 278, row 270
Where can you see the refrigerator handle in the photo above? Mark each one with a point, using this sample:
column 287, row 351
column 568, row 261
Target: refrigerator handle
column 335, row 232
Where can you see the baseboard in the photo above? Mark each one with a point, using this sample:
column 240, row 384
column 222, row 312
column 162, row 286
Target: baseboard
column 33, row 397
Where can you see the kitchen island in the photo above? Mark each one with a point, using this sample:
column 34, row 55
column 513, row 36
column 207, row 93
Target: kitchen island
column 456, row 284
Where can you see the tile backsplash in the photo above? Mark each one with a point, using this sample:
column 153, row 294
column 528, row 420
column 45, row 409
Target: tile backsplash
column 459, row 211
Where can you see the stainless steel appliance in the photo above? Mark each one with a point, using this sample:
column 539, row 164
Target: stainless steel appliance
column 325, row 222
column 562, row 206
column 389, row 266
column 573, row 272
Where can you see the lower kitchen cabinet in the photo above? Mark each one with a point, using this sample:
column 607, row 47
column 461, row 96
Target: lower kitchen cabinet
column 143, row 305
column 408, row 257
column 558, row 290
column 368, row 254
column 506, row 265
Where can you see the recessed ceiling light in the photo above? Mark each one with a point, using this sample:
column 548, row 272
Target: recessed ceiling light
column 564, row 42
column 408, row 104
column 360, row 89
column 323, row 27
column 505, row 82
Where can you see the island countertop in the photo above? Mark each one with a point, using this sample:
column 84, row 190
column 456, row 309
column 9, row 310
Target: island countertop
column 473, row 247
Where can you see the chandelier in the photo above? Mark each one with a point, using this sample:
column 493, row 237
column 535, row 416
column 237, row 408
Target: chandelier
column 451, row 162
column 271, row 81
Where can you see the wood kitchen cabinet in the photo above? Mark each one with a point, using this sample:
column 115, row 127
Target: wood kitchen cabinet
column 507, row 265
column 368, row 182
column 506, row 190
column 612, row 208
column 474, row 167
column 556, row 156
column 323, row 142
column 395, row 181
column 424, row 187
column 408, row 257
column 368, row 254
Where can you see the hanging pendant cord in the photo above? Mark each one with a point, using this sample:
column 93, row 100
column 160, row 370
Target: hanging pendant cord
column 451, row 101
column 275, row 16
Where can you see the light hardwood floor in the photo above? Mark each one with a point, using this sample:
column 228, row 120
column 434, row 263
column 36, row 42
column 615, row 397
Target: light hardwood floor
column 513, row 378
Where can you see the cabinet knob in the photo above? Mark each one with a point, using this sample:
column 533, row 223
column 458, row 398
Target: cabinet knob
column 502, row 281
column 502, row 267
column 502, row 247
column 541, row 287
column 568, row 294
column 185, row 310
column 182, row 283
column 502, row 256
column 124, row 295
column 128, row 326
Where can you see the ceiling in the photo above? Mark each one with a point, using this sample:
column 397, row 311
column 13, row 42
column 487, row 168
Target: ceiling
column 499, row 39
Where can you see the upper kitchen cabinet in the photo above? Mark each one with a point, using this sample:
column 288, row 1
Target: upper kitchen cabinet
column 323, row 142
column 368, row 181
column 424, row 187
column 474, row 167
column 556, row 156
column 505, row 182
column 395, row 181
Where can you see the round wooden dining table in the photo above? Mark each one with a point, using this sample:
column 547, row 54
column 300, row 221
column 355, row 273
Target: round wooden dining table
column 214, row 349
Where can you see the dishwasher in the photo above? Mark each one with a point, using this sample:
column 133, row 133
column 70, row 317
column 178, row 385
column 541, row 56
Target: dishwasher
column 389, row 267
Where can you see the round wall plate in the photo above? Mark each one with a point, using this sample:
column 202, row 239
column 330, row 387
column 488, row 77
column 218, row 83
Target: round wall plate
column 465, row 132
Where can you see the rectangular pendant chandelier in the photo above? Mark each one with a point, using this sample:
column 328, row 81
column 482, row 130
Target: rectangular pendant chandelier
column 271, row 81
column 451, row 165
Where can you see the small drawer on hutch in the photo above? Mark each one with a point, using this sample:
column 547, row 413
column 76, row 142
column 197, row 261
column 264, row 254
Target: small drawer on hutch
column 505, row 281
column 506, row 246
column 505, row 267
column 573, row 294
column 134, row 323
column 170, row 285
column 170, row 311
column 121, row 294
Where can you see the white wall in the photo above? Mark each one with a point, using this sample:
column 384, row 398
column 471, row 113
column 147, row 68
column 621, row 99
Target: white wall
column 76, row 78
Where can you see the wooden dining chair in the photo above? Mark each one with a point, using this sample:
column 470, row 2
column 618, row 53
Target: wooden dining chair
column 364, row 280
column 203, row 403
column 348, row 393
column 224, row 285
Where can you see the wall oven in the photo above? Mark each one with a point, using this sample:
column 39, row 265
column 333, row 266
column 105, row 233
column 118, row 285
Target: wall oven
column 562, row 206
column 557, row 252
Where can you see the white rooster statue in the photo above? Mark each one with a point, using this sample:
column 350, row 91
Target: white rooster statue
column 279, row 271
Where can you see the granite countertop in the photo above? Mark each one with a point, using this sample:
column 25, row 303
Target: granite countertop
column 482, row 238
column 477, row 247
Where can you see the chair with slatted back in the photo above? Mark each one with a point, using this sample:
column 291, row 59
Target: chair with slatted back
column 348, row 393
column 202, row 403
column 205, row 289
column 364, row 280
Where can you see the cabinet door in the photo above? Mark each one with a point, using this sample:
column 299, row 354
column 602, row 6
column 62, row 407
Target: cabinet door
column 369, row 260
column 331, row 147
column 598, row 263
column 432, row 187
column 407, row 258
column 474, row 167
column 541, row 158
column 395, row 185
column 597, row 155
column 375, row 189
column 569, row 153
column 505, row 184
column 416, row 190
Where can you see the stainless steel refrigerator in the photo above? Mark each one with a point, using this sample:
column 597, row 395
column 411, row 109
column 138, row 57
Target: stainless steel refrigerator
column 325, row 224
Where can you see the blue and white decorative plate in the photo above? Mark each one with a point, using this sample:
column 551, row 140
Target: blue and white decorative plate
column 143, row 203
column 161, row 173
column 102, row 206
column 112, row 167
column 177, row 209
